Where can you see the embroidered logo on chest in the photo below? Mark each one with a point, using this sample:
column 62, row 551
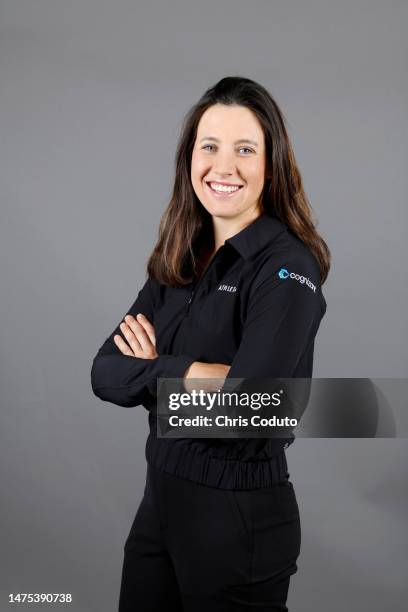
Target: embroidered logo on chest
column 227, row 288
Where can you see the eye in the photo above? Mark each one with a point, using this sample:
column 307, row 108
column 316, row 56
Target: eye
column 241, row 148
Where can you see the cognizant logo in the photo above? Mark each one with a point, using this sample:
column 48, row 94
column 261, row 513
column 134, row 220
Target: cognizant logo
column 283, row 273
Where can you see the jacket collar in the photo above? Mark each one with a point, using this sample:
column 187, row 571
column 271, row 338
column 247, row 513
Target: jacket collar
column 257, row 235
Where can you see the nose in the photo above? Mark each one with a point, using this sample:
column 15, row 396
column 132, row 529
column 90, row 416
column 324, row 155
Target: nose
column 224, row 163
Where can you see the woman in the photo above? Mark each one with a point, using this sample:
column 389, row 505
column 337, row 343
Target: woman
column 233, row 291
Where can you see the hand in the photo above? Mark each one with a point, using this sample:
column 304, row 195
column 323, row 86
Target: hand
column 215, row 372
column 200, row 369
column 140, row 335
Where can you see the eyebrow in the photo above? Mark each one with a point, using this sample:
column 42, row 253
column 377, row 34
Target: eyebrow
column 241, row 140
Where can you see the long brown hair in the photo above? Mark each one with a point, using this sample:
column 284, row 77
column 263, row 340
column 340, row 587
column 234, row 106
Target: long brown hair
column 186, row 225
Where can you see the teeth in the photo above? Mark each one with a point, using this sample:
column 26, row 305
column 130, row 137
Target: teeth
column 223, row 188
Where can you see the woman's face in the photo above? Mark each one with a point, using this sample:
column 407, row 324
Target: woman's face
column 222, row 155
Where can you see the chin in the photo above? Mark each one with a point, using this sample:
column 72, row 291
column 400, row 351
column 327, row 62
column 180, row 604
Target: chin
column 222, row 210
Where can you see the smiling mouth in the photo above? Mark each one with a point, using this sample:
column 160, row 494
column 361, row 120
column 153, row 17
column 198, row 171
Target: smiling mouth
column 221, row 188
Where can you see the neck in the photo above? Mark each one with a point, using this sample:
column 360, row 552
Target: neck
column 225, row 228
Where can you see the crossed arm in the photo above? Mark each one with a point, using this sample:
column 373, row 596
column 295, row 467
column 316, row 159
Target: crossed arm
column 282, row 321
column 141, row 342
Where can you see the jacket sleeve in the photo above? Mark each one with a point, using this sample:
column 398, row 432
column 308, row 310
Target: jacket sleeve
column 132, row 381
column 283, row 317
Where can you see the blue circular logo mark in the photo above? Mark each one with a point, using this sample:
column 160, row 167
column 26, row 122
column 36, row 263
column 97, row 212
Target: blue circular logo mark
column 283, row 273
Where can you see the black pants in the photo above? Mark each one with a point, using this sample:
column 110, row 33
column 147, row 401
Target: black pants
column 193, row 548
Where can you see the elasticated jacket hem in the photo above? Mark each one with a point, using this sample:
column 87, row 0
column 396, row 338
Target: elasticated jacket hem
column 203, row 468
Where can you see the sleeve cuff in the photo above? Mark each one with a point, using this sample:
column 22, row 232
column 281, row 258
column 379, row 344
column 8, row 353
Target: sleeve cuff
column 177, row 365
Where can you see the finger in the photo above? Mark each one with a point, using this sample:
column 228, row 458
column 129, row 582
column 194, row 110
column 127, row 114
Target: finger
column 143, row 320
column 132, row 339
column 122, row 346
column 141, row 335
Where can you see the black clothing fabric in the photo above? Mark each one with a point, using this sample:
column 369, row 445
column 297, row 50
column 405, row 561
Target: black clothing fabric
column 257, row 307
column 197, row 548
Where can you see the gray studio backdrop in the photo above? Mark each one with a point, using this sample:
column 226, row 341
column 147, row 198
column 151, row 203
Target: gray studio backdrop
column 92, row 98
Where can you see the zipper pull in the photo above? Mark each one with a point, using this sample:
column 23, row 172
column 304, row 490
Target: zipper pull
column 191, row 297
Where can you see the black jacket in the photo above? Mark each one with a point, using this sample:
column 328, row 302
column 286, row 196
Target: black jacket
column 258, row 307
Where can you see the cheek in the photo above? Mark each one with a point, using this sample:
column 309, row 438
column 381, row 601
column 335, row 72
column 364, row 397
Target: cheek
column 198, row 167
column 255, row 176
